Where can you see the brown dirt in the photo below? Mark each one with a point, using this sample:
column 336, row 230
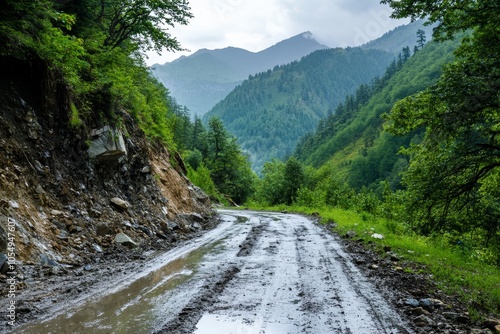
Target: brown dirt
column 58, row 196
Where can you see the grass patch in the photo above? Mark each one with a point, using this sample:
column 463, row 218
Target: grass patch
column 476, row 284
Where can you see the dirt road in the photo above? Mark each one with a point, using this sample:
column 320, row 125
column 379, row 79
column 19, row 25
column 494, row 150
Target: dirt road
column 255, row 273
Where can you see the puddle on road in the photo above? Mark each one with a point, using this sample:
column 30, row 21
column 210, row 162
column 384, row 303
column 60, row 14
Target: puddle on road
column 217, row 324
column 137, row 308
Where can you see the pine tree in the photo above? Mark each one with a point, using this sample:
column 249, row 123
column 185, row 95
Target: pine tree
column 421, row 39
column 406, row 53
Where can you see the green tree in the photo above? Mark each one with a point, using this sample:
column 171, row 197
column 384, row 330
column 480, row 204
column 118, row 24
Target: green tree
column 199, row 140
column 421, row 39
column 293, row 179
column 30, row 29
column 201, row 178
column 406, row 53
column 271, row 188
column 229, row 168
column 144, row 23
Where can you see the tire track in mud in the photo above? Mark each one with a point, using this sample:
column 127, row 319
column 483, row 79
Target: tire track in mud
column 250, row 241
column 350, row 303
column 310, row 304
column 191, row 314
column 293, row 279
column 270, row 273
column 376, row 306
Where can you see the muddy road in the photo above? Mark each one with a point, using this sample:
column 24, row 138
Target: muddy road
column 255, row 273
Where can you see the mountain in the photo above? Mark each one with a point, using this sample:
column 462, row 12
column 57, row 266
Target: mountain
column 270, row 111
column 352, row 142
column 398, row 38
column 204, row 78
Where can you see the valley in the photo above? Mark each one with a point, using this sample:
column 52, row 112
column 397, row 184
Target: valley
column 300, row 188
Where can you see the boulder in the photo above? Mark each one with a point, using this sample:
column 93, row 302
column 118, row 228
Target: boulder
column 73, row 228
column 3, row 233
column 419, row 311
column 120, row 203
column 172, row 226
column 97, row 248
column 456, row 317
column 492, row 324
column 422, row 321
column 123, row 239
column 45, row 260
column 107, row 145
column 350, row 234
column 198, row 194
column 63, row 235
column 104, row 229
column 164, row 210
column 145, row 230
column 56, row 213
column 4, row 264
column 412, row 302
column 185, row 221
column 13, row 204
column 191, row 217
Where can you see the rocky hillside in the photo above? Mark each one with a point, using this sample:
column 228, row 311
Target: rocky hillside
column 71, row 196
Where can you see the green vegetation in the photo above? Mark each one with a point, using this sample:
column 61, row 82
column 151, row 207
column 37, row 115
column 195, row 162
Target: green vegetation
column 357, row 120
column 93, row 49
column 215, row 161
column 270, row 111
column 403, row 36
column 452, row 179
column 415, row 156
column 456, row 268
column 204, row 78
column 460, row 263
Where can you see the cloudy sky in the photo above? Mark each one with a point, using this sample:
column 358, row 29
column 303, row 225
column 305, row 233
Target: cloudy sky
column 257, row 24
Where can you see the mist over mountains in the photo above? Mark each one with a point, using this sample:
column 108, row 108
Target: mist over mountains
column 269, row 99
column 270, row 111
column 204, row 78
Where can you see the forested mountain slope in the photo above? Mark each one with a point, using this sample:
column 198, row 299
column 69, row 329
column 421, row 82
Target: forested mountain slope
column 352, row 138
column 395, row 40
column 204, row 78
column 270, row 111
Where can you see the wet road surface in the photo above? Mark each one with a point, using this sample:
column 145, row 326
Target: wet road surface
column 255, row 273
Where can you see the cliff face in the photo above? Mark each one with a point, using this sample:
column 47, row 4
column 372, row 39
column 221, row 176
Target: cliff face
column 62, row 203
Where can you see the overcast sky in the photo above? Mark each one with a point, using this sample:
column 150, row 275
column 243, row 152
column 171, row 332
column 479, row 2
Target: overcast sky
column 257, row 24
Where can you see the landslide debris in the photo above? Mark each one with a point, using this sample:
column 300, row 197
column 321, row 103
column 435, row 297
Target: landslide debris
column 74, row 197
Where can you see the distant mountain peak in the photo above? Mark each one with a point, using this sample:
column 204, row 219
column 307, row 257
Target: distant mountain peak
column 205, row 77
column 307, row 34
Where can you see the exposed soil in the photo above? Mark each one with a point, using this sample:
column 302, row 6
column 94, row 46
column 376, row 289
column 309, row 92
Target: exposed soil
column 44, row 289
column 267, row 273
column 59, row 204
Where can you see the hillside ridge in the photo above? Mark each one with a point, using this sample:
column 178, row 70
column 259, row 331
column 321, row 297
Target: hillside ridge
column 204, row 78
